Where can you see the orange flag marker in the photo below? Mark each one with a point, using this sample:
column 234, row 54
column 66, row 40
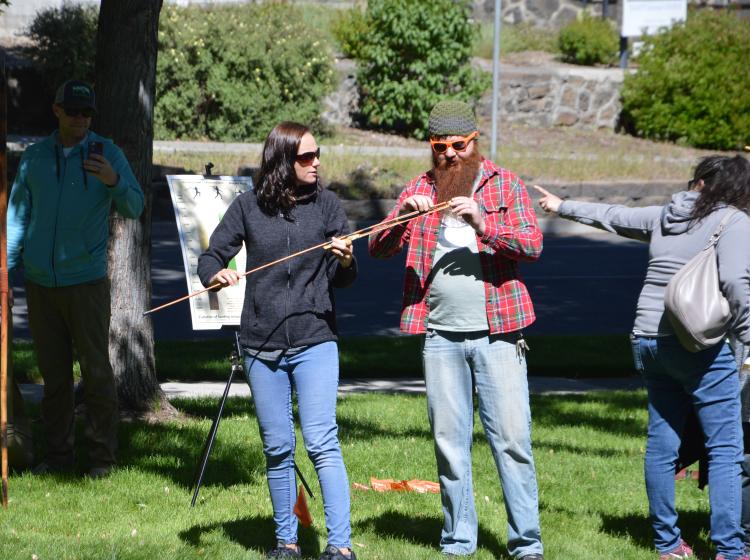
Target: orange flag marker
column 300, row 508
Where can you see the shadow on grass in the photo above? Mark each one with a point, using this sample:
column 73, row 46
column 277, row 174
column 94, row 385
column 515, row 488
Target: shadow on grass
column 252, row 533
column 205, row 408
column 693, row 525
column 542, row 446
column 549, row 411
column 423, row 530
column 173, row 450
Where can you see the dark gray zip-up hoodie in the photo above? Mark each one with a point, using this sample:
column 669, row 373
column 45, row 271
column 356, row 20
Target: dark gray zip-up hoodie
column 673, row 240
column 290, row 304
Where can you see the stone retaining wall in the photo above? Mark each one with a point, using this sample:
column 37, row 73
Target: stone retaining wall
column 558, row 95
column 552, row 94
column 541, row 13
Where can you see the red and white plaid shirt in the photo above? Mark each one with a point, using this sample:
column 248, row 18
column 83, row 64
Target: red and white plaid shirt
column 511, row 235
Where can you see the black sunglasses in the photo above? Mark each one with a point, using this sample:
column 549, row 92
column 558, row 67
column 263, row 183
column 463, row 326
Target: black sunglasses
column 307, row 158
column 85, row 111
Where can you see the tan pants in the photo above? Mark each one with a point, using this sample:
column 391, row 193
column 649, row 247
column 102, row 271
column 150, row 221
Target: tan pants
column 63, row 320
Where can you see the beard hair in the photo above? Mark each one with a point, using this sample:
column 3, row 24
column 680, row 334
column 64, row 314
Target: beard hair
column 457, row 179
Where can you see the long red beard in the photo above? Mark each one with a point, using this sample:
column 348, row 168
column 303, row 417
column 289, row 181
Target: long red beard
column 457, row 179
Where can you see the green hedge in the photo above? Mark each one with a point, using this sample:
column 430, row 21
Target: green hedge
column 233, row 73
column 589, row 40
column 411, row 55
column 693, row 83
column 348, row 28
column 223, row 73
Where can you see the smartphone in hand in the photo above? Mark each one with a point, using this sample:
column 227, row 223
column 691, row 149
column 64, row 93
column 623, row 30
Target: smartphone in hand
column 96, row 148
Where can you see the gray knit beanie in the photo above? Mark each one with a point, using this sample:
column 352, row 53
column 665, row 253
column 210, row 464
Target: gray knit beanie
column 452, row 118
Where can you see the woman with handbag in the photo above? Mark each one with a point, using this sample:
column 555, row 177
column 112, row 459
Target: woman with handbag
column 288, row 324
column 677, row 379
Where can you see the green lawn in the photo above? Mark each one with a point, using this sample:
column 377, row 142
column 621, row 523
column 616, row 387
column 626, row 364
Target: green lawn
column 589, row 460
column 378, row 356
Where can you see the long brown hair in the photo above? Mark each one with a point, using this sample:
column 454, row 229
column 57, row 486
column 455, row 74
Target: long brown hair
column 726, row 181
column 276, row 180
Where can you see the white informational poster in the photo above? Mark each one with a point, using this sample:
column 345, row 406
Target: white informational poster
column 646, row 17
column 199, row 204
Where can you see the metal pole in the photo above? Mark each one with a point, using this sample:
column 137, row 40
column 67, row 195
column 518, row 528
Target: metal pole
column 4, row 286
column 495, row 79
column 623, row 52
column 208, row 446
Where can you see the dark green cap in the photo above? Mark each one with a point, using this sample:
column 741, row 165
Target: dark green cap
column 452, row 118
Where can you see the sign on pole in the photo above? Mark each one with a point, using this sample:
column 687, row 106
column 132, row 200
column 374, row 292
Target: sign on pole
column 646, row 17
column 199, row 203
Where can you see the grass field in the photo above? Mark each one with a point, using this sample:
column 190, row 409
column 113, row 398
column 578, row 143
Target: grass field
column 588, row 452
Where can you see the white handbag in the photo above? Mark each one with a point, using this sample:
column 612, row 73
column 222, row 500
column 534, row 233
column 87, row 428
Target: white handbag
column 696, row 307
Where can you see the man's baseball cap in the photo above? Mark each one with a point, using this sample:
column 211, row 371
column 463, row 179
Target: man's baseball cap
column 75, row 94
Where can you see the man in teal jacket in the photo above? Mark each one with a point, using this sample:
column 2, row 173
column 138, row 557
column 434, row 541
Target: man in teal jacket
column 58, row 226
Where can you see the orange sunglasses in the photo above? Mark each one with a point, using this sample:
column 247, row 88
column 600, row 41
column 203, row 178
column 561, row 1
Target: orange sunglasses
column 441, row 146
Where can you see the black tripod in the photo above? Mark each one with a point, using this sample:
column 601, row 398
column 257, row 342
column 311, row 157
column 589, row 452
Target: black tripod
column 236, row 360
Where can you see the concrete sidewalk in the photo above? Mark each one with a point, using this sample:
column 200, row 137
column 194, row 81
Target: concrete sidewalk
column 537, row 385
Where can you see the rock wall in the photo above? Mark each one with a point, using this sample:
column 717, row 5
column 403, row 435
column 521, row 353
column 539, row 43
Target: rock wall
column 558, row 95
column 541, row 13
column 551, row 94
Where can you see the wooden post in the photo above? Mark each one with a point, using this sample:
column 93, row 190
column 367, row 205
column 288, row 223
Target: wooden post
column 4, row 299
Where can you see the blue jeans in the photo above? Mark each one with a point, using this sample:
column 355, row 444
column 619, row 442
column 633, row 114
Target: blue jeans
column 455, row 364
column 676, row 380
column 314, row 374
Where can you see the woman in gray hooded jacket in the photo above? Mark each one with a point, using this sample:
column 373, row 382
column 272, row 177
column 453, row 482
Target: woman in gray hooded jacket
column 677, row 380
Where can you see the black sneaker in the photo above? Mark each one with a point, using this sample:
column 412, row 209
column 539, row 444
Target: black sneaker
column 282, row 551
column 333, row 553
column 532, row 557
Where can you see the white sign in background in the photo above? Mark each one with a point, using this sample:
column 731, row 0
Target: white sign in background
column 199, row 204
column 646, row 17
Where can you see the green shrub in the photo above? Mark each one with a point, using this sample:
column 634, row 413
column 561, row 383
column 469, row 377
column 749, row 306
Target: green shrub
column 693, row 84
column 411, row 55
column 232, row 73
column 63, row 43
column 589, row 40
column 347, row 29
column 516, row 38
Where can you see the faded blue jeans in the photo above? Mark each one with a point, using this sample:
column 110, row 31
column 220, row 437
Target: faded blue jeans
column 708, row 381
column 455, row 364
column 313, row 373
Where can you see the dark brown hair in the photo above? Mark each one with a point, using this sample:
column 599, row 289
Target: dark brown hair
column 726, row 181
column 276, row 180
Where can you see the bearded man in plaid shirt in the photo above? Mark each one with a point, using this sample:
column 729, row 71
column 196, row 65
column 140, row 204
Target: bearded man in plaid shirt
column 463, row 291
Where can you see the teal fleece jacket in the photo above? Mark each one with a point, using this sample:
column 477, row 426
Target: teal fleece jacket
column 58, row 215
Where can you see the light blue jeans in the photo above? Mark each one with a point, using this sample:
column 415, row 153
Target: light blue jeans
column 455, row 364
column 313, row 373
column 677, row 380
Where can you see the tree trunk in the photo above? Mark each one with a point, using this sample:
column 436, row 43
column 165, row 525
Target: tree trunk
column 125, row 87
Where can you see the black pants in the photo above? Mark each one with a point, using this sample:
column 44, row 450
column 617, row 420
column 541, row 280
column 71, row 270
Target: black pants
column 61, row 320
